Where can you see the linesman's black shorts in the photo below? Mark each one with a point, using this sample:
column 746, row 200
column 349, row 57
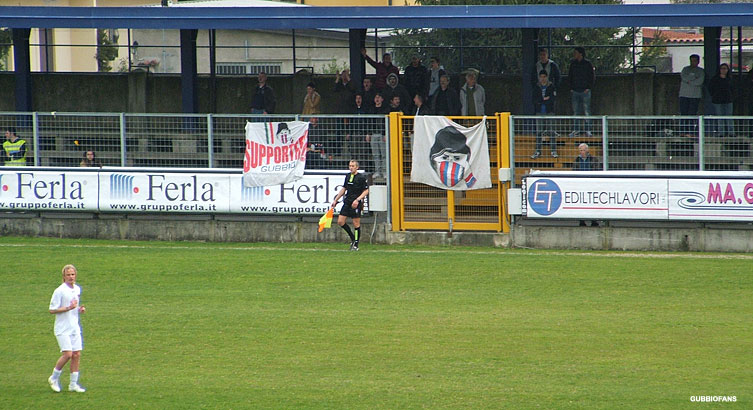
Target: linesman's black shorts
column 348, row 210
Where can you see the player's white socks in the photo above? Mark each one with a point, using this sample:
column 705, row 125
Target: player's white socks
column 74, row 378
column 56, row 374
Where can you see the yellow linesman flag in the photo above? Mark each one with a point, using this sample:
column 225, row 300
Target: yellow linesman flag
column 326, row 220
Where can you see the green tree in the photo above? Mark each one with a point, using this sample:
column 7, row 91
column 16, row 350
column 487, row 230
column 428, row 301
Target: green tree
column 499, row 50
column 6, row 39
column 107, row 50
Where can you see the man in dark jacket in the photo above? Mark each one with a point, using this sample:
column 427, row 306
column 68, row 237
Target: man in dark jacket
column 445, row 101
column 581, row 76
column 544, row 97
column 394, row 88
column 585, row 162
column 263, row 101
column 415, row 77
column 383, row 69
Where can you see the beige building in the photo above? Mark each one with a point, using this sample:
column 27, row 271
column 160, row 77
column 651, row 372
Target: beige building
column 238, row 51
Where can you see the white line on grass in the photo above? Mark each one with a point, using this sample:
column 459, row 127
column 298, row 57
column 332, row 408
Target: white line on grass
column 416, row 251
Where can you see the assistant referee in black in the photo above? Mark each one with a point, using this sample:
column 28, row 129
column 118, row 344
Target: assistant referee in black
column 355, row 188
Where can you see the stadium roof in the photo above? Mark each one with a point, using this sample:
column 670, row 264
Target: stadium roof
column 529, row 16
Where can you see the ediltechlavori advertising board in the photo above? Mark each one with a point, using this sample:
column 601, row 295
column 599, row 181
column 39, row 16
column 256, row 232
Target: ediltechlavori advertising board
column 607, row 198
column 176, row 191
column 647, row 196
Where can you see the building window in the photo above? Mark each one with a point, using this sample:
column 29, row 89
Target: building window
column 248, row 68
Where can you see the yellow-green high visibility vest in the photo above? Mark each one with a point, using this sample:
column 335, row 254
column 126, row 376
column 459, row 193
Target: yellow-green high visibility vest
column 13, row 150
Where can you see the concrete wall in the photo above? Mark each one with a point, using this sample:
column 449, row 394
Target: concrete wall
column 229, row 228
column 642, row 94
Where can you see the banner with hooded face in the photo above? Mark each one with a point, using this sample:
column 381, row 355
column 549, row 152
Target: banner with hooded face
column 275, row 152
column 449, row 156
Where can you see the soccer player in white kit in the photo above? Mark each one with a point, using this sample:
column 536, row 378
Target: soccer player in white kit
column 66, row 308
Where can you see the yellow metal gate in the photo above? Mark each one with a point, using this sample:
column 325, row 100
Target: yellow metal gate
column 417, row 206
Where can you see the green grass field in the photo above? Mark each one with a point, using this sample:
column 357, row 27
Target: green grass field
column 227, row 326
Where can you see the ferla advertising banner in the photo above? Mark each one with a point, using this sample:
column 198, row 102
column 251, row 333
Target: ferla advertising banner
column 711, row 199
column 449, row 156
column 592, row 198
column 191, row 192
column 275, row 152
column 24, row 188
column 310, row 195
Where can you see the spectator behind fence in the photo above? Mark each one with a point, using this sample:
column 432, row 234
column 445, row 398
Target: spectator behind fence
column 395, row 104
column 445, row 101
column 311, row 101
column 368, row 91
column 691, row 91
column 376, row 139
column 394, row 88
column 720, row 89
column 383, row 69
column 416, row 77
column 551, row 68
column 89, row 160
column 263, row 100
column 436, row 72
column 344, row 91
column 14, row 149
column 544, row 97
column 420, row 107
column 585, row 162
column 317, row 155
column 472, row 96
column 355, row 137
column 581, row 76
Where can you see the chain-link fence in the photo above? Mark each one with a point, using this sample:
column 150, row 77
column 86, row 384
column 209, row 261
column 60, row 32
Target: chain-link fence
column 191, row 141
column 632, row 143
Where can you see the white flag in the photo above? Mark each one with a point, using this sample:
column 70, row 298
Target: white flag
column 275, row 152
column 449, row 156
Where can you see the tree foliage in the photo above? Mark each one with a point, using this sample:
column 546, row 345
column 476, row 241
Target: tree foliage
column 499, row 50
column 107, row 50
column 6, row 39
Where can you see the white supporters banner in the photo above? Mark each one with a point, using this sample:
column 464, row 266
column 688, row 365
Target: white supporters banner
column 275, row 152
column 449, row 156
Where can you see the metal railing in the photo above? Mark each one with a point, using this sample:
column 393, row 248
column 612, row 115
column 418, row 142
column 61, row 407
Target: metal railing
column 191, row 141
column 633, row 143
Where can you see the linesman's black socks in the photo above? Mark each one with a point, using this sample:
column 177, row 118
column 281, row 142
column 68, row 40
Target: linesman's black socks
column 350, row 233
column 358, row 236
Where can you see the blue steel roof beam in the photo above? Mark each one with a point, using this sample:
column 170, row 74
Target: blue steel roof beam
column 532, row 16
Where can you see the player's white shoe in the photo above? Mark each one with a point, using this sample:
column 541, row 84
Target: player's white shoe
column 54, row 385
column 76, row 388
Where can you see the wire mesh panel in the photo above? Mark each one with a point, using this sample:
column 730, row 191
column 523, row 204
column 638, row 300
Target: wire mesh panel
column 727, row 143
column 480, row 205
column 335, row 140
column 551, row 142
column 166, row 141
column 421, row 202
column 229, row 136
column 64, row 138
column 428, row 207
column 22, row 124
column 653, row 143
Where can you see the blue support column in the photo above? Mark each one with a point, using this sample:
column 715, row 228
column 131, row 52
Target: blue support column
column 22, row 63
column 188, row 76
column 530, row 40
column 357, row 39
column 711, row 60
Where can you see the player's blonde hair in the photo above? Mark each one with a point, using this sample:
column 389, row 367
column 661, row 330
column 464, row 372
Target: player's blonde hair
column 66, row 267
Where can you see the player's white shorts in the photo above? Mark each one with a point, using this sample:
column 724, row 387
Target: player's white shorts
column 70, row 343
